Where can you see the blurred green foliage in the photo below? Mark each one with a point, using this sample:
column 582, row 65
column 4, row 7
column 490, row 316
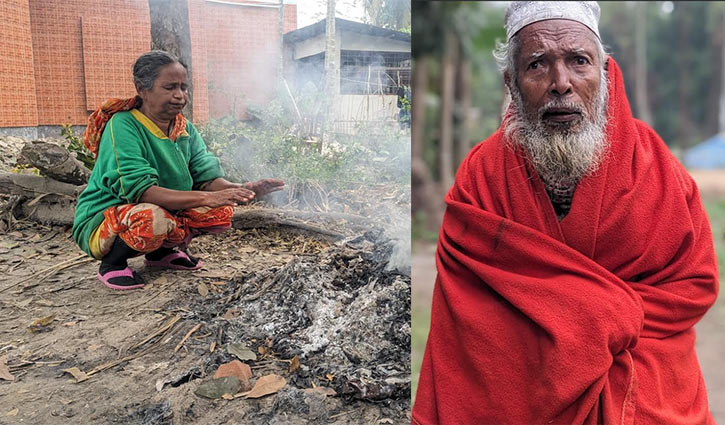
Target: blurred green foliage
column 273, row 144
column 76, row 146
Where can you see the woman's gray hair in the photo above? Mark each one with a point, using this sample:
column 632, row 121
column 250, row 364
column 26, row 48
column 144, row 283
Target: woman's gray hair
column 505, row 54
column 147, row 67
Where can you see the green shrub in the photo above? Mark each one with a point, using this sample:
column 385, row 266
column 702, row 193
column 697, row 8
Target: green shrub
column 275, row 144
column 75, row 145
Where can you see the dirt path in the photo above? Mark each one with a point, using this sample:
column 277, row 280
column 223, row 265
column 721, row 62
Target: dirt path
column 88, row 326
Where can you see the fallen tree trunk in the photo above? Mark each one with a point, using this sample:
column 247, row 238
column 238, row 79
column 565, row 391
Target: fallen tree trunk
column 31, row 186
column 55, row 162
column 260, row 218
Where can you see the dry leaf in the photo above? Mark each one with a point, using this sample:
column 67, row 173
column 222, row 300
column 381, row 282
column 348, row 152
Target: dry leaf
column 69, row 324
column 216, row 388
column 94, row 347
column 13, row 412
column 294, row 364
column 268, row 384
column 77, row 373
column 203, row 290
column 231, row 313
column 39, row 324
column 235, row 368
column 227, row 396
column 241, row 351
column 219, row 283
column 212, row 346
column 327, row 391
column 4, row 371
column 330, row 377
column 262, row 350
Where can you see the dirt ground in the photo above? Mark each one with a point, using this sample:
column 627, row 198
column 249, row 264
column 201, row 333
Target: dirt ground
column 710, row 343
column 147, row 351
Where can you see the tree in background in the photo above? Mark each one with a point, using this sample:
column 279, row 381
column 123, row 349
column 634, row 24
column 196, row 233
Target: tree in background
column 390, row 14
column 332, row 67
column 457, row 94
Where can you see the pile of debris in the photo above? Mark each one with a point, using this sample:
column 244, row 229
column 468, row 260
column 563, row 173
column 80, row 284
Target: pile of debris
column 340, row 311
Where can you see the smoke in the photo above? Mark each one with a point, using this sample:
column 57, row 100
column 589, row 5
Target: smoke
column 355, row 160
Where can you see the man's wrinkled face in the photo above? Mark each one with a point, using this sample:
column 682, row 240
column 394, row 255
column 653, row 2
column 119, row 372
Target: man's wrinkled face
column 558, row 73
column 559, row 100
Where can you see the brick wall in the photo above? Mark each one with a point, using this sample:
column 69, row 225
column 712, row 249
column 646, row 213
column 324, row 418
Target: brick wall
column 199, row 79
column 61, row 59
column 17, row 78
column 242, row 48
column 83, row 53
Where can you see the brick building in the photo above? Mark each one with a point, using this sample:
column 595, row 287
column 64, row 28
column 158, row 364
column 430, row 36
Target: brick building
column 61, row 59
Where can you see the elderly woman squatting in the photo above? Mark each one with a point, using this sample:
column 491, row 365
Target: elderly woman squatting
column 154, row 186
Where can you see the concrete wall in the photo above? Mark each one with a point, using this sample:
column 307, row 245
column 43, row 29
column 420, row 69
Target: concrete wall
column 354, row 41
column 349, row 41
column 40, row 131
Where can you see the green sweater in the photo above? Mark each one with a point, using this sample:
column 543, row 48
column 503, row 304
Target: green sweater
column 134, row 155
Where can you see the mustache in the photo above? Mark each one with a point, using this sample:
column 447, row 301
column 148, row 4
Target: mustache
column 561, row 106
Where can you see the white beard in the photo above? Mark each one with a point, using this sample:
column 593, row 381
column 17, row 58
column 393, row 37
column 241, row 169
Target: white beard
column 561, row 156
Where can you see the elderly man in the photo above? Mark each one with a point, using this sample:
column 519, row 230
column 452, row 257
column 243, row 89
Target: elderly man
column 575, row 256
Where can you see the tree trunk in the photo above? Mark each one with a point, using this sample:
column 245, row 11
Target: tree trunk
column 420, row 82
column 640, row 63
column 332, row 69
column 463, row 142
column 721, row 121
column 448, row 76
column 685, row 128
column 29, row 186
column 55, row 162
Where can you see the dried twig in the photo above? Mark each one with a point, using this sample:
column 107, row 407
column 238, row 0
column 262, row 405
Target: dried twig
column 344, row 413
column 188, row 334
column 161, row 330
column 52, row 269
column 164, row 330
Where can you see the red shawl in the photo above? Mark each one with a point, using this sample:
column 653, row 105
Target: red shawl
column 98, row 119
column 584, row 321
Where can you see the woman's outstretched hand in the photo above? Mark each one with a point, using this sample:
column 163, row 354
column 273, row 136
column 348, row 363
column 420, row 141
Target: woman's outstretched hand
column 264, row 186
column 232, row 196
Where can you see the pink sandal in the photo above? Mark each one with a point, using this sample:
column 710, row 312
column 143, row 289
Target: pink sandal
column 127, row 272
column 166, row 262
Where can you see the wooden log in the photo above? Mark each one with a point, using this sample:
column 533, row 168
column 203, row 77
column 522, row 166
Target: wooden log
column 31, row 186
column 261, row 218
column 55, row 162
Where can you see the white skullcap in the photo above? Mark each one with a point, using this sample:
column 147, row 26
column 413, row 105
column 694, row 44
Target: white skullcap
column 522, row 13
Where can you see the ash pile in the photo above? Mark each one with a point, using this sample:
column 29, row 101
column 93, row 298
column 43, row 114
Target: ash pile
column 344, row 312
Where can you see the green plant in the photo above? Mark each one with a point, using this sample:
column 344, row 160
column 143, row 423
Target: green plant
column 20, row 168
column 75, row 145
